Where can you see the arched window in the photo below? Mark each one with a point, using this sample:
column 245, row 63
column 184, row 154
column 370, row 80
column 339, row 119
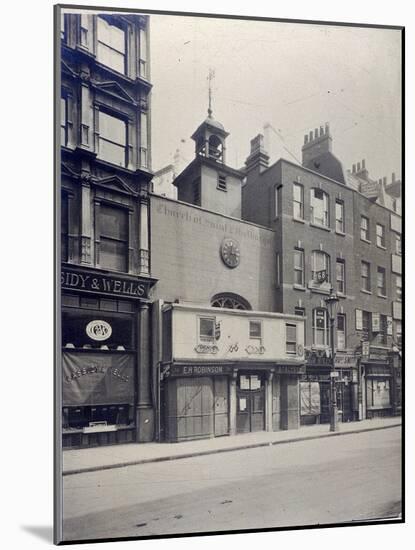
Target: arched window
column 319, row 207
column 320, row 266
column 230, row 301
column 320, row 327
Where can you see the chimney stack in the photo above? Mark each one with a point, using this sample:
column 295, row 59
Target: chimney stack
column 318, row 143
column 360, row 170
column 393, row 177
column 258, row 159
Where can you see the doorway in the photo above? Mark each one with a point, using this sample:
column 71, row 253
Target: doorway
column 250, row 395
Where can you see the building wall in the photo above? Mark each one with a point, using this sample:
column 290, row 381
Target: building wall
column 377, row 257
column 234, row 342
column 226, row 202
column 186, row 259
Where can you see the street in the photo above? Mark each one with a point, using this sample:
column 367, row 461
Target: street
column 339, row 479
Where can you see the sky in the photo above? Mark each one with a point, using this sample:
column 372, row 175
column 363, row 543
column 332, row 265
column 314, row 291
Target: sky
column 295, row 77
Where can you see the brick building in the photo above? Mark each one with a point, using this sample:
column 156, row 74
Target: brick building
column 105, row 177
column 346, row 226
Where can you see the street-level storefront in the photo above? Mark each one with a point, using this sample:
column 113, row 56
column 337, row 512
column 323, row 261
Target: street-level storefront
column 240, row 381
column 378, row 383
column 211, row 400
column 105, row 387
column 315, row 387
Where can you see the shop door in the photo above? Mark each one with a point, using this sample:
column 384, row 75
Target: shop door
column 325, row 402
column 221, row 411
column 344, row 401
column 250, row 403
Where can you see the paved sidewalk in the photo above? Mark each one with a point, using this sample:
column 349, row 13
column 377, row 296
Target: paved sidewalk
column 117, row 456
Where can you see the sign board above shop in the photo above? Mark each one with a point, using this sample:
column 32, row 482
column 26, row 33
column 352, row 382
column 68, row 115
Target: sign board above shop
column 88, row 280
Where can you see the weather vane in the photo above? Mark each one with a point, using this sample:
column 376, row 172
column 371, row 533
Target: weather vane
column 210, row 77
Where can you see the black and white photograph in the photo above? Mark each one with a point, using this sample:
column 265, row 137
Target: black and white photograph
column 229, row 250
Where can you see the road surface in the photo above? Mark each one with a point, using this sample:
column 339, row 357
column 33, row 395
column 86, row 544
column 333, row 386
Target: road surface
column 339, row 479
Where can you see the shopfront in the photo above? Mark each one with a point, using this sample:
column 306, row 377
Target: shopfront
column 241, row 380
column 103, row 318
column 315, row 388
column 378, row 384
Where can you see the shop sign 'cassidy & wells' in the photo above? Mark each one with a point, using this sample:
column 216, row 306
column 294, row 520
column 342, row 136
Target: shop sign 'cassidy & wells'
column 105, row 284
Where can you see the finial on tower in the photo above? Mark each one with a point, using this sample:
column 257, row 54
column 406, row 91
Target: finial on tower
column 210, row 77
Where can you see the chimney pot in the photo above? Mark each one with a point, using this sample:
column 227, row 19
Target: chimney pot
column 321, row 130
column 311, row 136
column 393, row 177
column 354, row 168
column 363, row 164
column 385, row 180
column 305, row 139
column 380, row 181
column 316, row 132
column 326, row 129
column 358, row 166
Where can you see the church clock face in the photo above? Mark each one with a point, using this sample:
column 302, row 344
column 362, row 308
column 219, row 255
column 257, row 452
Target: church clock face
column 230, row 252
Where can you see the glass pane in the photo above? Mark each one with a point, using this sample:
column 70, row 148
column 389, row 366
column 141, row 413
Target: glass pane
column 143, row 45
column 143, row 131
column 254, row 329
column 298, row 195
column 113, row 255
column 207, row 328
column 111, row 152
column 291, row 333
column 111, row 58
column 114, row 222
column 111, row 35
column 112, row 128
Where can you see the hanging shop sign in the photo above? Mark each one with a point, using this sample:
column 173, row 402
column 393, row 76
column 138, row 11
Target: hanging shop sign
column 91, row 281
column 98, row 330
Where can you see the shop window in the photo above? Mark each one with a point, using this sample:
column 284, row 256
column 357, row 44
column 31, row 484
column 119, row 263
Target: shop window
column 207, row 329
column 341, row 331
column 230, row 301
column 364, row 228
column 77, row 330
column 291, row 339
column 381, row 281
column 319, row 207
column 320, row 266
column 320, row 327
column 111, row 45
column 196, row 192
column 113, row 252
column 299, row 267
column 365, row 276
column 112, row 139
column 398, row 284
column 398, row 244
column 64, row 121
column 255, row 330
column 340, row 216
column 81, row 417
column 378, row 393
column 298, row 201
column 341, row 276
column 380, row 235
column 64, row 227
